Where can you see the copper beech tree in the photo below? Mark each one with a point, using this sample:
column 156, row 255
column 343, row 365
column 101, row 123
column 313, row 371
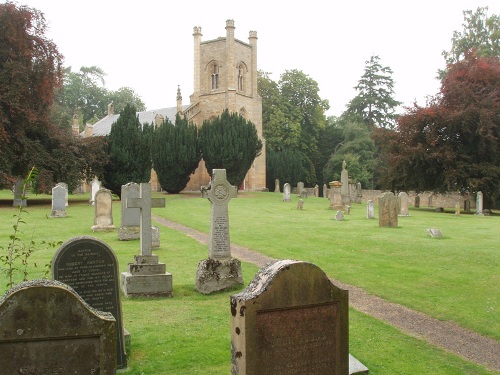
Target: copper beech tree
column 454, row 142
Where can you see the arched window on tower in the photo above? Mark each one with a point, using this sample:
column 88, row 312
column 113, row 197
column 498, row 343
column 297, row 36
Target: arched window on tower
column 241, row 77
column 215, row 76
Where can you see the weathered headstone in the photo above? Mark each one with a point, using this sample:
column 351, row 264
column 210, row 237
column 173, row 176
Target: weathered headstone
column 90, row 267
column 304, row 193
column 65, row 186
column 344, row 190
column 403, row 204
column 58, row 201
column 457, row 209
column 103, row 211
column 339, row 216
column 325, row 191
column 370, row 209
column 335, row 195
column 300, row 204
column 146, row 276
column 429, row 200
column 291, row 319
column 435, row 233
column 17, row 189
column 359, row 193
column 417, row 201
column 277, row 186
column 220, row 271
column 467, row 205
column 300, row 187
column 286, row 192
column 131, row 217
column 95, row 186
column 479, row 203
column 316, row 190
column 47, row 328
column 387, row 210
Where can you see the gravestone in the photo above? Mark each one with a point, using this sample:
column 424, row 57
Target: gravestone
column 95, row 186
column 344, row 189
column 286, row 192
column 370, row 209
column 417, row 201
column 347, row 209
column 146, row 276
column 58, row 201
column 17, row 189
column 316, row 191
column 291, row 319
column 220, row 271
column 387, row 210
column 457, row 209
column 90, row 267
column 277, row 186
column 304, row 193
column 300, row 204
column 429, row 200
column 467, row 205
column 65, row 186
column 103, row 211
column 335, row 195
column 403, row 204
column 435, row 233
column 325, row 191
column 47, row 328
column 300, row 187
column 479, row 203
column 359, row 193
column 339, row 216
column 131, row 217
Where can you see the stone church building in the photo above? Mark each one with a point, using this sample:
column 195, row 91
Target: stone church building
column 225, row 76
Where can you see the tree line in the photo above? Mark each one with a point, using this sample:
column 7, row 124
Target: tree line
column 451, row 143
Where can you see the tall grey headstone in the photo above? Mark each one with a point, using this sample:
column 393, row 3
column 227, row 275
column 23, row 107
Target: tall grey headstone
column 300, row 187
column 479, row 203
column 370, row 209
column 286, row 192
column 146, row 276
column 220, row 271
column 387, row 210
column 95, row 186
column 344, row 189
column 103, row 211
column 403, row 204
column 58, row 201
column 47, row 328
column 65, row 186
column 131, row 217
column 291, row 319
column 90, row 267
column 17, row 189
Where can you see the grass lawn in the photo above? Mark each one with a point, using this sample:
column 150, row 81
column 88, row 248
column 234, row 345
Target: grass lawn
column 455, row 278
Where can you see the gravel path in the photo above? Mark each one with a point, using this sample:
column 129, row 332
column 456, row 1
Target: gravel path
column 444, row 334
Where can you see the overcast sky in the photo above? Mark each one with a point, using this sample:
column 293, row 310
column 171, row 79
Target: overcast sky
column 148, row 45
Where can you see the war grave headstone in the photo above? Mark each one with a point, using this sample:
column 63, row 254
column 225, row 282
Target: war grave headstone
column 90, row 267
column 344, row 189
column 58, row 201
column 286, row 192
column 65, row 186
column 388, row 210
column 47, row 328
column 403, row 204
column 370, row 209
column 479, row 203
column 291, row 319
column 95, row 186
column 146, row 276
column 277, row 186
column 131, row 217
column 17, row 190
column 103, row 211
column 336, row 195
column 220, row 271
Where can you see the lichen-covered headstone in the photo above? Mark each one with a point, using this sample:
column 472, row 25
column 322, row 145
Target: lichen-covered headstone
column 103, row 211
column 387, row 210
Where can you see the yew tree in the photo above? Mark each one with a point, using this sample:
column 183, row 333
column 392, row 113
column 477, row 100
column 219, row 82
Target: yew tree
column 230, row 142
column 30, row 71
column 454, row 142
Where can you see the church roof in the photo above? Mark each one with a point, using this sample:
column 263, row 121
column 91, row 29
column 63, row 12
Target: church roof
column 103, row 126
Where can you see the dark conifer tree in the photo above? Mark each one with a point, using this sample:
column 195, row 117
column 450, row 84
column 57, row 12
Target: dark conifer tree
column 230, row 142
column 129, row 149
column 176, row 153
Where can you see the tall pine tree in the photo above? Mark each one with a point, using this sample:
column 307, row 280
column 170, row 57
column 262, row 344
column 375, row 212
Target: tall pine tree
column 129, row 149
column 230, row 142
column 176, row 153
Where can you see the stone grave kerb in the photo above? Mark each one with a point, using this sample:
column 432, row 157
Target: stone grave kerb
column 144, row 203
column 219, row 194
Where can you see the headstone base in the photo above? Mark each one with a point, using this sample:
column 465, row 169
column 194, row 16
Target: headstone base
column 217, row 275
column 159, row 285
column 19, row 202
column 58, row 213
column 128, row 233
column 101, row 228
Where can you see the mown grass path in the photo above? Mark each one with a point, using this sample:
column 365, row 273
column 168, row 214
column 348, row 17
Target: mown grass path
column 444, row 334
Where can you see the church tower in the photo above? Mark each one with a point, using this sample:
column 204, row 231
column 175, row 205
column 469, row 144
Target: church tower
column 225, row 76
